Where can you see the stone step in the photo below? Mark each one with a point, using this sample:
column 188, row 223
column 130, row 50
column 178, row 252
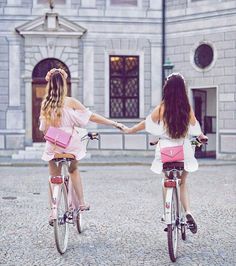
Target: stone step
column 33, row 148
column 27, row 155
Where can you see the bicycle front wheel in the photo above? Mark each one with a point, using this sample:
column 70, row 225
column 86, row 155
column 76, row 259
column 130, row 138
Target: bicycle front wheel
column 61, row 230
column 172, row 229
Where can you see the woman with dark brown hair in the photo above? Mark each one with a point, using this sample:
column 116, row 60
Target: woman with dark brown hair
column 173, row 121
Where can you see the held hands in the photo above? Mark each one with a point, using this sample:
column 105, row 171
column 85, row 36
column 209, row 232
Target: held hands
column 122, row 127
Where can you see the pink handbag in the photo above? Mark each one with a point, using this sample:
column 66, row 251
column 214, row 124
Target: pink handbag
column 172, row 154
column 58, row 137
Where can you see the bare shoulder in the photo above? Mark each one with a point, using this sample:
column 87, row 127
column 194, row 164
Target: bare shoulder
column 192, row 117
column 73, row 103
column 157, row 113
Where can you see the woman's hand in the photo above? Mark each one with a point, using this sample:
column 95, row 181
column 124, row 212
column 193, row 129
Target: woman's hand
column 202, row 138
column 128, row 130
column 118, row 125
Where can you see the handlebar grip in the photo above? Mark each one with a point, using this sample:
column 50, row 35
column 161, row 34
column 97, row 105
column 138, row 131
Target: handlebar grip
column 203, row 140
column 93, row 135
column 153, row 143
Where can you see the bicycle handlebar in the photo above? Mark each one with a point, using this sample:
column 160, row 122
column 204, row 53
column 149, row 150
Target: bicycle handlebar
column 93, row 135
column 194, row 141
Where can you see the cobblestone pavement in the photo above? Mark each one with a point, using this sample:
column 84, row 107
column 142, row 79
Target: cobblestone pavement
column 123, row 226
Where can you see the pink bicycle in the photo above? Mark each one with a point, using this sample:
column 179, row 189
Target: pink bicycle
column 64, row 203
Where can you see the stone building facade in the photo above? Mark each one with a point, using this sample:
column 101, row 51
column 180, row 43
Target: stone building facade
column 112, row 51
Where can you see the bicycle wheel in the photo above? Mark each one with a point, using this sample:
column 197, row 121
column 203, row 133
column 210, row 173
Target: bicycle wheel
column 79, row 222
column 172, row 229
column 60, row 224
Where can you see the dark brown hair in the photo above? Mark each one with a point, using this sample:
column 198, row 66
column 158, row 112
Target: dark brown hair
column 176, row 115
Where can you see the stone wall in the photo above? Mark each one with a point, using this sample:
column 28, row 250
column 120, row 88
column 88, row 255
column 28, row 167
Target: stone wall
column 212, row 26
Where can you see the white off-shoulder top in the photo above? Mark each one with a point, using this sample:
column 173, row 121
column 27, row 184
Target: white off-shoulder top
column 157, row 129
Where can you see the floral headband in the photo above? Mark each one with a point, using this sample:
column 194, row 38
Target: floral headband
column 53, row 70
column 175, row 74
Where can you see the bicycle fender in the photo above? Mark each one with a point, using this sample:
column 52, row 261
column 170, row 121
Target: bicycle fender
column 168, row 202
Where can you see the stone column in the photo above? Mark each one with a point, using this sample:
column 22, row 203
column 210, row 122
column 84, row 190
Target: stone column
column 156, row 73
column 28, row 110
column 14, row 112
column 88, row 73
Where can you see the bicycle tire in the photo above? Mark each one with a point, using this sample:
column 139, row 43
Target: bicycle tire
column 79, row 222
column 61, row 229
column 172, row 229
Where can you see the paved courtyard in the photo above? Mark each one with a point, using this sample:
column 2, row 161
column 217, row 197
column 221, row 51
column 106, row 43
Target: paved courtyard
column 123, row 226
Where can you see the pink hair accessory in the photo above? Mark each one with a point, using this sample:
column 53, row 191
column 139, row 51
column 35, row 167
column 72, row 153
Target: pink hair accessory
column 53, row 70
column 175, row 74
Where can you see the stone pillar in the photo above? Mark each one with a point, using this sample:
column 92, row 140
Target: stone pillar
column 88, row 74
column 28, row 110
column 14, row 112
column 156, row 73
column 14, row 71
column 75, row 87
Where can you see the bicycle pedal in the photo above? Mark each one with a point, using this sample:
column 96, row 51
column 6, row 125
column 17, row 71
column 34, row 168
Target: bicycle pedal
column 190, row 226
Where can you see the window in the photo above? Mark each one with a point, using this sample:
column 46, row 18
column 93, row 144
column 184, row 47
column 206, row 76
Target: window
column 203, row 56
column 124, row 86
column 124, row 2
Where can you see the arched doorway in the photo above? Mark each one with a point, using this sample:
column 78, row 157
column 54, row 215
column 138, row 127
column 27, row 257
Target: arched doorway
column 38, row 91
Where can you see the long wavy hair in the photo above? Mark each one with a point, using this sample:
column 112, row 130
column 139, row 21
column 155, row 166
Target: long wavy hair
column 176, row 116
column 56, row 90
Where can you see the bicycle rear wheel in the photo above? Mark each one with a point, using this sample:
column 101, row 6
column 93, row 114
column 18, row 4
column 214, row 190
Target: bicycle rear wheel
column 61, row 230
column 172, row 229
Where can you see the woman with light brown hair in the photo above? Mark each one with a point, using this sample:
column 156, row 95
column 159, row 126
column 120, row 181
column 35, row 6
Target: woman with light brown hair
column 173, row 120
column 59, row 110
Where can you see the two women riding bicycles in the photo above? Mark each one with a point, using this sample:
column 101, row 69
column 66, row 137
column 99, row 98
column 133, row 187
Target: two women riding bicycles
column 173, row 121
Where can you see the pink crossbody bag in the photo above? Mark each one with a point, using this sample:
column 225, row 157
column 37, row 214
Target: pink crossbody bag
column 172, row 154
column 58, row 137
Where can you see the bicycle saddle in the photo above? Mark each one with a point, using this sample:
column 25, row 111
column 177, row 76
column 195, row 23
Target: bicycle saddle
column 173, row 165
column 64, row 156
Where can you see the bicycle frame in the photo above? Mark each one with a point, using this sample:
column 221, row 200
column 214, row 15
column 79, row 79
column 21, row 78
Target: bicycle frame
column 169, row 185
column 64, row 201
column 55, row 185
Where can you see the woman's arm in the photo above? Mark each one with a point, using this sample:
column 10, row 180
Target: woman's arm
column 138, row 127
column 96, row 118
column 74, row 104
column 193, row 119
column 102, row 120
column 155, row 115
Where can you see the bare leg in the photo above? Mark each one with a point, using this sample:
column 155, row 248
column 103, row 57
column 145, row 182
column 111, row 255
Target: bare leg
column 54, row 170
column 184, row 197
column 77, row 184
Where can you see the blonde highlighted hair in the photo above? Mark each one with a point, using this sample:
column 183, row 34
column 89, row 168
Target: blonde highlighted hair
column 56, row 91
